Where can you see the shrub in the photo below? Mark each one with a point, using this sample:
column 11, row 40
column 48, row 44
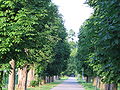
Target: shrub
column 34, row 83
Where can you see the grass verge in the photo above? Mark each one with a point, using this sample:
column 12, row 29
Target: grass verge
column 87, row 86
column 49, row 85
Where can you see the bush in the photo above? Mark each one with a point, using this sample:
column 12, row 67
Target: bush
column 34, row 83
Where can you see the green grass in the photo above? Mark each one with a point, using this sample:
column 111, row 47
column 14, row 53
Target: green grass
column 4, row 89
column 87, row 86
column 118, row 86
column 49, row 85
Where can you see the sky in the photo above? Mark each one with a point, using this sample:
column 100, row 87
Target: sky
column 74, row 12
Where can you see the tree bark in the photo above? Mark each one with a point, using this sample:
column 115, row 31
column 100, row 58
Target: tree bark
column 94, row 81
column 107, row 86
column 110, row 86
column 31, row 76
column 52, row 77
column 88, row 79
column 22, row 78
column 45, row 79
column 113, row 87
column 48, row 79
column 11, row 82
column 102, row 86
column 57, row 77
column 1, row 79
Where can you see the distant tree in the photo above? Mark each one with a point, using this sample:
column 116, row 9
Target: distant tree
column 71, row 34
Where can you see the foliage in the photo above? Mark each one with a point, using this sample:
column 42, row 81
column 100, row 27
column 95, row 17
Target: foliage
column 59, row 65
column 71, row 34
column 85, row 48
column 34, row 83
column 32, row 32
column 99, row 40
column 72, row 61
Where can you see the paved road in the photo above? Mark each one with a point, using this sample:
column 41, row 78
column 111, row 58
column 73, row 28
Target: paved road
column 70, row 84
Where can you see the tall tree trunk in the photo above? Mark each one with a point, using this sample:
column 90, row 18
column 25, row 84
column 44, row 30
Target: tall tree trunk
column 22, row 78
column 1, row 79
column 11, row 82
column 31, row 76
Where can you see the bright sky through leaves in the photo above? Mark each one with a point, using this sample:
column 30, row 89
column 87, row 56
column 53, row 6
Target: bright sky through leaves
column 74, row 12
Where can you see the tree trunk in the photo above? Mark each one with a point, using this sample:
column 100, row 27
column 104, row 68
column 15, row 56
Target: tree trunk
column 48, row 79
column 11, row 82
column 94, row 81
column 107, row 86
column 88, row 79
column 31, row 76
column 52, row 77
column 110, row 86
column 22, row 78
column 98, row 82
column 58, row 77
column 1, row 79
column 102, row 86
column 113, row 87
column 45, row 79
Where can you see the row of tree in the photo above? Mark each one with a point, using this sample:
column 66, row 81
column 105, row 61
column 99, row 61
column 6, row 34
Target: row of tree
column 32, row 35
column 99, row 43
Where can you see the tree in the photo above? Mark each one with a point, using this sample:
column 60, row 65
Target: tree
column 71, row 34
column 101, row 30
column 72, row 61
column 85, row 49
column 29, row 32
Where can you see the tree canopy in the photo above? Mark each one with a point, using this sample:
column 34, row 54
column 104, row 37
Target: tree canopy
column 99, row 40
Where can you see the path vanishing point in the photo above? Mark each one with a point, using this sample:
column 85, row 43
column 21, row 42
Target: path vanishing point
column 69, row 84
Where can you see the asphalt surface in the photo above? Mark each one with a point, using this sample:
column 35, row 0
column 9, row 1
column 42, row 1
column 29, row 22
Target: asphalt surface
column 69, row 84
